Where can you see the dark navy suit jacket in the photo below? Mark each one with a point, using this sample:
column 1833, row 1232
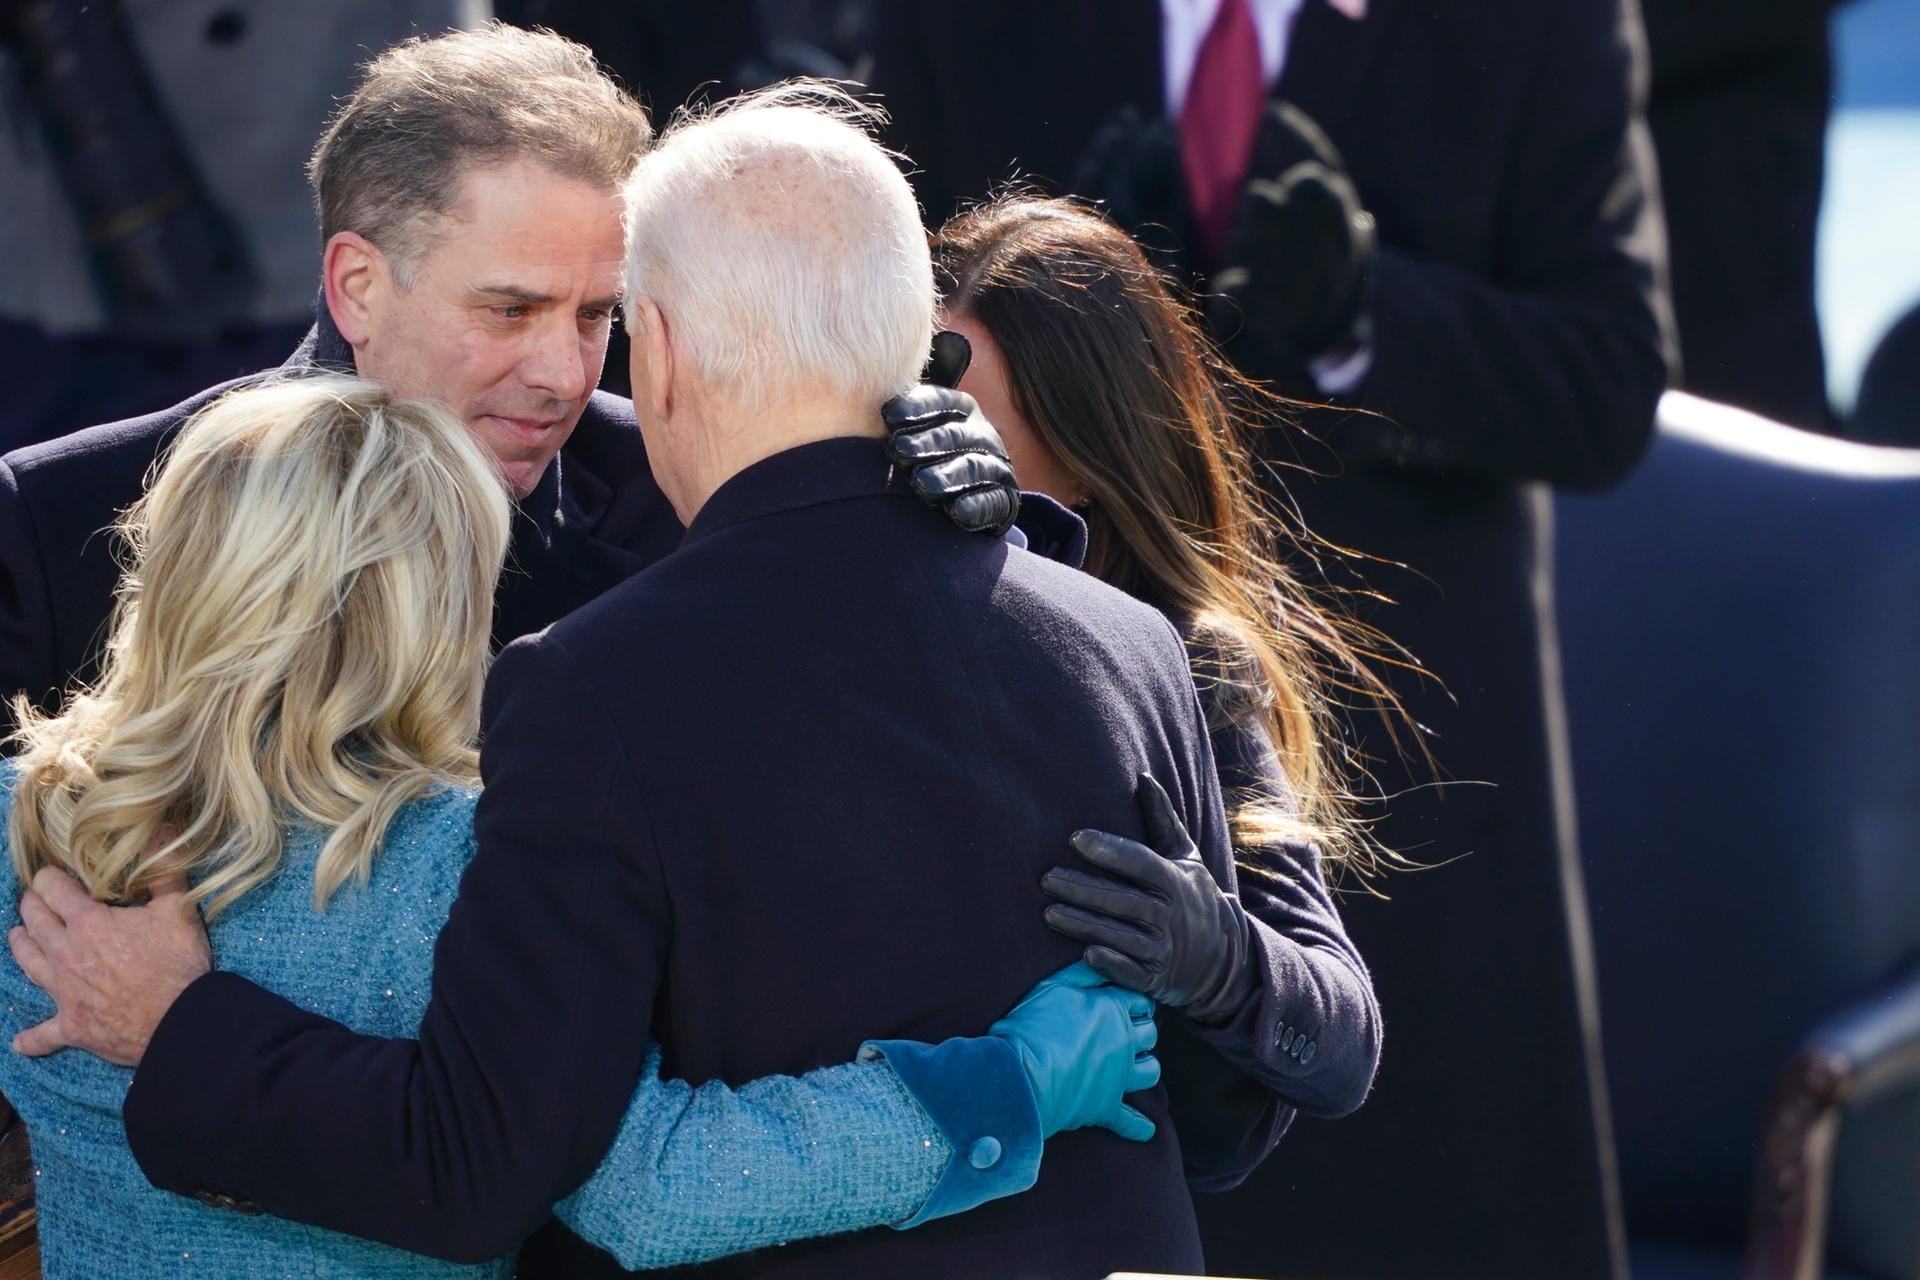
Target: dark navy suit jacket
column 725, row 804
column 596, row 518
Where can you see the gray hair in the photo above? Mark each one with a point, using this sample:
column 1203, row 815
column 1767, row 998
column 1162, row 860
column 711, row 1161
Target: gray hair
column 390, row 162
column 785, row 246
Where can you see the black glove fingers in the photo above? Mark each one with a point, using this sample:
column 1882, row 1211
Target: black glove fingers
column 1318, row 196
column 1279, row 144
column 1104, row 894
column 990, row 511
column 948, row 359
column 927, row 405
column 964, row 473
column 1123, row 857
column 938, row 441
column 1288, row 135
column 1105, row 931
column 977, row 490
column 1165, row 832
column 1124, row 970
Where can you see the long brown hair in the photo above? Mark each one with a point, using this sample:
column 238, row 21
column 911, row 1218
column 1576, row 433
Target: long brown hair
column 1111, row 369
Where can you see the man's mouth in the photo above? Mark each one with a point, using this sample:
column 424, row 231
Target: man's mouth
column 533, row 431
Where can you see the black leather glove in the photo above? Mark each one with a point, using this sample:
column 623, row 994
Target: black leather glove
column 948, row 361
column 956, row 458
column 1132, row 169
column 1298, row 277
column 1154, row 918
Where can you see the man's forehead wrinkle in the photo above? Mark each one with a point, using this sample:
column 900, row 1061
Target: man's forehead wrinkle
column 516, row 292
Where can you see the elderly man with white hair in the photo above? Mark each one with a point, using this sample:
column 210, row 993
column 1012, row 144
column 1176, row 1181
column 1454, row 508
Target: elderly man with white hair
column 711, row 792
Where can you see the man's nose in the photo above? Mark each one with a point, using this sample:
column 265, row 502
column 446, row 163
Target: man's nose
column 554, row 363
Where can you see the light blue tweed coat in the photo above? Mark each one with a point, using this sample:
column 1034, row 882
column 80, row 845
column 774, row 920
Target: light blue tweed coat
column 693, row 1174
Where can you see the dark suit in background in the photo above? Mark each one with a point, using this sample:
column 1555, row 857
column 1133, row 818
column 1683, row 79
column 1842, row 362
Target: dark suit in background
column 184, row 256
column 1517, row 339
column 770, row 676
column 1741, row 90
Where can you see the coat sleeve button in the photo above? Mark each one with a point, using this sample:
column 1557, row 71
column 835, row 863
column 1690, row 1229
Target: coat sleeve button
column 985, row 1153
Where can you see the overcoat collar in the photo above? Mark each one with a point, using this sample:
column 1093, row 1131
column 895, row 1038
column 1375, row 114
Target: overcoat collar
column 805, row 476
column 323, row 347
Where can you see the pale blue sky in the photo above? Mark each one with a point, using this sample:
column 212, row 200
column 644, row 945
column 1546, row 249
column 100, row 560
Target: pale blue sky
column 1869, row 235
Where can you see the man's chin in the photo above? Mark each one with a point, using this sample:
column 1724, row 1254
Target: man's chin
column 523, row 477
column 522, row 461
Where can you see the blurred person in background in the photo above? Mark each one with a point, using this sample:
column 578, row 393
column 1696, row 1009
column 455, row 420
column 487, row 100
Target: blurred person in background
column 157, row 231
column 1446, row 216
column 1740, row 96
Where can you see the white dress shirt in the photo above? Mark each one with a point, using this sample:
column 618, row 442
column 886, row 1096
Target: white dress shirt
column 1184, row 25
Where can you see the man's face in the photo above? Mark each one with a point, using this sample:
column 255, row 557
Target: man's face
column 506, row 320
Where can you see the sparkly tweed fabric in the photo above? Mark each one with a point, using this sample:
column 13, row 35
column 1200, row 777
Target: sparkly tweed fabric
column 694, row 1173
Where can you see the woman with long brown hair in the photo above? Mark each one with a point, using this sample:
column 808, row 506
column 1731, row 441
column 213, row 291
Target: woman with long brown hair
column 1112, row 402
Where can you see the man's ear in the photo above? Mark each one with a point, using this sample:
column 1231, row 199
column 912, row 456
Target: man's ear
column 356, row 276
column 651, row 358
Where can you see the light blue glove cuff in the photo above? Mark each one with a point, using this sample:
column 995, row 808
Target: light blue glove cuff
column 976, row 1093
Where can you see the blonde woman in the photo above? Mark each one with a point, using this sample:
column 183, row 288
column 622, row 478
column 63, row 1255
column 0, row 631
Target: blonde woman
column 284, row 732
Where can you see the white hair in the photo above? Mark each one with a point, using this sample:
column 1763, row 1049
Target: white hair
column 784, row 247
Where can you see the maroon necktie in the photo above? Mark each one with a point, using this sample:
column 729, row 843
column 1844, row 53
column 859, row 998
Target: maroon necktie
column 1225, row 97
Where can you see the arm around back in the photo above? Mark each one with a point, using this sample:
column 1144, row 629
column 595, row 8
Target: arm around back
column 458, row 1144
column 1277, row 1010
column 699, row 1173
column 932, row 1130
column 1312, row 1031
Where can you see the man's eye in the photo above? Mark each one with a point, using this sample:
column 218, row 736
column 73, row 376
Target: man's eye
column 594, row 315
column 512, row 311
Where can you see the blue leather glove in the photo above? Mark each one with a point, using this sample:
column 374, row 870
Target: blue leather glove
column 957, row 459
column 1084, row 1043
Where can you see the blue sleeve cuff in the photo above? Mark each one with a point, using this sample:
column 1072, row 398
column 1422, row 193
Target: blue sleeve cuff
column 976, row 1093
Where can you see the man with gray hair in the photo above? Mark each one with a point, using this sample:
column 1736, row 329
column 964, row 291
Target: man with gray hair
column 745, row 733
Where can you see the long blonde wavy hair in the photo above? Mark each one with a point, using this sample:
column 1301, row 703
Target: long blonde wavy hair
column 302, row 631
